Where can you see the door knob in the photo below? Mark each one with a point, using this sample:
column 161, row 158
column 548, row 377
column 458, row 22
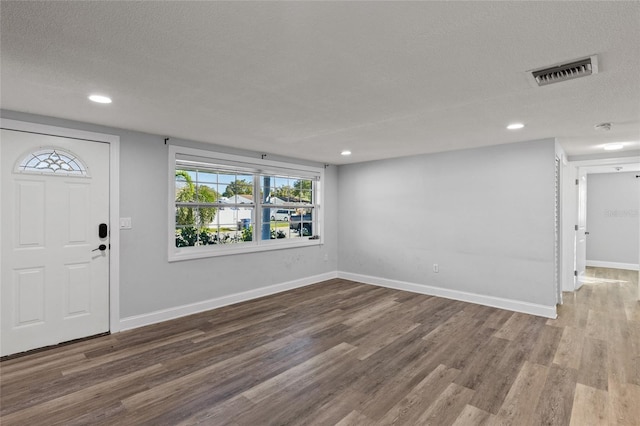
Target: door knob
column 101, row 247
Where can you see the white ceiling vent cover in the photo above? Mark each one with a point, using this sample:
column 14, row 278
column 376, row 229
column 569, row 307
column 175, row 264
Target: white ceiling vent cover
column 565, row 71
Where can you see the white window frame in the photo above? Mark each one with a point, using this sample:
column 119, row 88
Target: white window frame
column 258, row 167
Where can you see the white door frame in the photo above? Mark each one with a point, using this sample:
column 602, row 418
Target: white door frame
column 114, row 199
column 570, row 205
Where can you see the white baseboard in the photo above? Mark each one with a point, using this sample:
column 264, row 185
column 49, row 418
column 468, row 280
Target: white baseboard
column 206, row 305
column 495, row 302
column 614, row 265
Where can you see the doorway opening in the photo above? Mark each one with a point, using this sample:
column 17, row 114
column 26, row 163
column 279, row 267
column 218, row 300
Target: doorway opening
column 576, row 234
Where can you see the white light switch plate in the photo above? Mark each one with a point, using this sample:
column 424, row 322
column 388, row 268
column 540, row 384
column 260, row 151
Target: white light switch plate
column 125, row 223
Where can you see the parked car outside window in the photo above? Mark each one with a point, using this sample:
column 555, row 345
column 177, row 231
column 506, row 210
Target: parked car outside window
column 280, row 215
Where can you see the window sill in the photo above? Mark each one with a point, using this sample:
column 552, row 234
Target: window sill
column 176, row 255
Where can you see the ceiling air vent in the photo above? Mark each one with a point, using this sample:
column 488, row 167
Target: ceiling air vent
column 566, row 71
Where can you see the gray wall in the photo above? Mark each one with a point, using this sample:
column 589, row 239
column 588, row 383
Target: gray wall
column 486, row 216
column 147, row 281
column 613, row 201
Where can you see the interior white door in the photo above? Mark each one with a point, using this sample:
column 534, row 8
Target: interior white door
column 54, row 277
column 581, row 229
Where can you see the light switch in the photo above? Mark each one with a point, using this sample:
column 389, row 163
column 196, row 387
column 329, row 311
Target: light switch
column 125, row 223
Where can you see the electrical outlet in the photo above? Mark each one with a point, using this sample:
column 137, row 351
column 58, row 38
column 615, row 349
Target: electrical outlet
column 435, row 268
column 326, row 257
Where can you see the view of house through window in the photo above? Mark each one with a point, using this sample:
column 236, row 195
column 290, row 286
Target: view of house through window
column 219, row 203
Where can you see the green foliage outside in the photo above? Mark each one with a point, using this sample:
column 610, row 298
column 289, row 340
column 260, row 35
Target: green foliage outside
column 190, row 236
column 192, row 193
column 192, row 220
column 284, row 192
column 247, row 233
column 238, row 187
column 301, row 190
column 192, row 230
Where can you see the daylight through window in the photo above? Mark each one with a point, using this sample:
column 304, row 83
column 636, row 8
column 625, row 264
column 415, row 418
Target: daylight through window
column 225, row 204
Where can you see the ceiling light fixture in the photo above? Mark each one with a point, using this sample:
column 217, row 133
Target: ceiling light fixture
column 345, row 152
column 613, row 146
column 100, row 99
column 515, row 126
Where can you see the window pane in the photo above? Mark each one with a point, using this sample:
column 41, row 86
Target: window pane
column 186, row 216
column 226, row 226
column 185, row 186
column 283, row 190
column 277, row 227
column 52, row 160
column 267, row 188
column 302, row 222
column 232, row 225
column 302, row 190
column 231, row 184
column 222, row 202
column 306, row 197
column 207, row 177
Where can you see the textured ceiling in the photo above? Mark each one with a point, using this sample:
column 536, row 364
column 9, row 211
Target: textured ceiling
column 309, row 79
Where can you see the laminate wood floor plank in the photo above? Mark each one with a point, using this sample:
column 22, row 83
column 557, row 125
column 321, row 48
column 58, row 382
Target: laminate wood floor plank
column 624, row 403
column 472, row 416
column 36, row 361
column 57, row 409
column 590, row 406
column 420, row 397
column 546, row 346
column 318, row 388
column 354, row 418
column 221, row 414
column 496, row 319
column 566, row 354
column 520, row 402
column 398, row 368
column 593, row 364
column 447, row 407
column 512, row 327
column 379, row 338
column 483, row 364
column 93, row 362
column 299, row 372
column 556, row 399
column 490, row 393
column 598, row 324
column 335, row 408
column 341, row 352
column 371, row 312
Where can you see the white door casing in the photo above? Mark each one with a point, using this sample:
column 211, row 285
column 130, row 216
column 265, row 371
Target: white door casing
column 557, row 232
column 54, row 287
column 581, row 229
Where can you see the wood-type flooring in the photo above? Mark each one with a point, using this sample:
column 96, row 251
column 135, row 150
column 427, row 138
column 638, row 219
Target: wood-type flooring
column 345, row 353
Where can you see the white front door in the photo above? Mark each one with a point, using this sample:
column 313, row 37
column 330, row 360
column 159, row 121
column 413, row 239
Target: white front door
column 55, row 256
column 581, row 229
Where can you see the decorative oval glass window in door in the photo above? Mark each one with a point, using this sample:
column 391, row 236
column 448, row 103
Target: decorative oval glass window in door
column 52, row 160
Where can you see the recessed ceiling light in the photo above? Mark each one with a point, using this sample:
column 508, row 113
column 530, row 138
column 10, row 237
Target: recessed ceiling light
column 345, row 152
column 100, row 99
column 515, row 126
column 613, row 146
